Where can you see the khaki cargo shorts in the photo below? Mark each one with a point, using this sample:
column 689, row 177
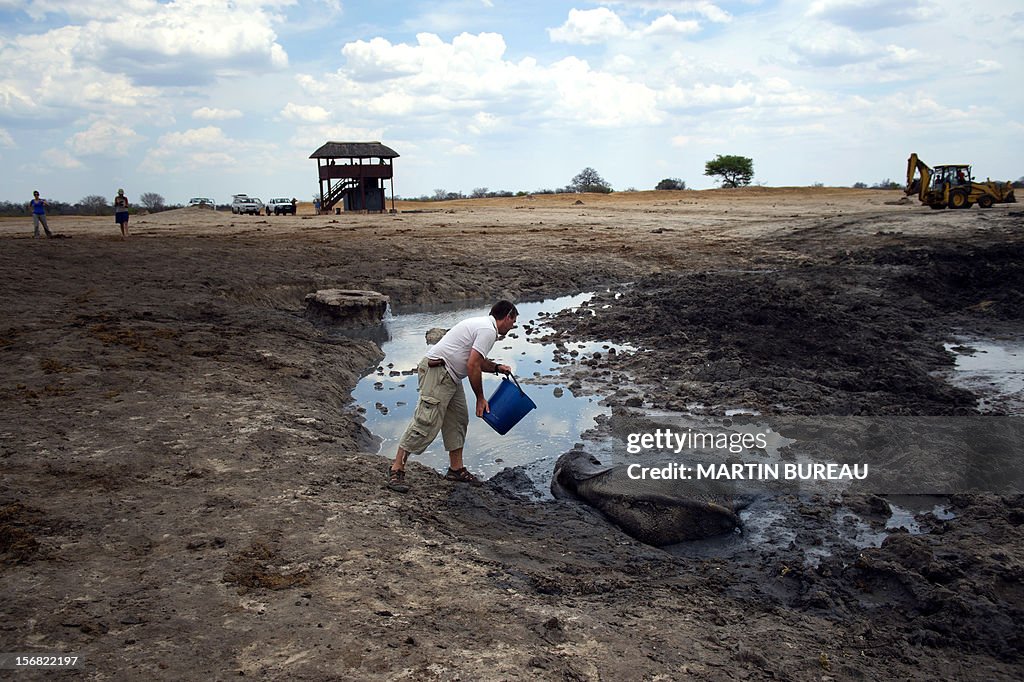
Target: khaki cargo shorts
column 441, row 407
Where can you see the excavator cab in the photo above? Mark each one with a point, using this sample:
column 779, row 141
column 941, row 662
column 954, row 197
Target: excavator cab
column 957, row 174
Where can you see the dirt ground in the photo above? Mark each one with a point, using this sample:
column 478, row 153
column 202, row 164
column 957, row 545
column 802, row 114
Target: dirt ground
column 189, row 493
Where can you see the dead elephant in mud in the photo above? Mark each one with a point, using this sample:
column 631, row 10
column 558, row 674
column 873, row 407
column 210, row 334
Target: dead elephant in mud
column 655, row 512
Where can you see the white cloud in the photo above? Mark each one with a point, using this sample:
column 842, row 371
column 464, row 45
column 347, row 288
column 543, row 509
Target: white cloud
column 43, row 78
column 169, row 58
column 213, row 114
column 15, row 101
column 602, row 25
column 61, row 159
column 191, row 149
column 80, row 10
column 427, row 78
column 866, row 15
column 1016, row 26
column 599, row 99
column 195, row 137
column 701, row 96
column 180, row 42
column 378, row 58
column 899, row 57
column 304, row 114
column 933, row 119
column 483, row 122
column 312, row 85
column 309, row 138
column 669, row 25
column 83, row 10
column 6, row 140
column 981, row 67
column 469, row 75
column 703, row 8
column 708, row 10
column 587, row 27
column 104, row 138
column 829, row 46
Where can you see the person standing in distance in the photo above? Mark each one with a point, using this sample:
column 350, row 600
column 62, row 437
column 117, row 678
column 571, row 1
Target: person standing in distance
column 442, row 407
column 121, row 212
column 39, row 214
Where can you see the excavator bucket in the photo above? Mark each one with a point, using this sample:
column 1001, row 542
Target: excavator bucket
column 918, row 186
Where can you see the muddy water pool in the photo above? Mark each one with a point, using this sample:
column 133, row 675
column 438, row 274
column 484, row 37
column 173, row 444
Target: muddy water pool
column 387, row 397
column 994, row 369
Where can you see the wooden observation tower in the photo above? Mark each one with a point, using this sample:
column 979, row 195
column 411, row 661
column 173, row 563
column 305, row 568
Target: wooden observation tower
column 353, row 173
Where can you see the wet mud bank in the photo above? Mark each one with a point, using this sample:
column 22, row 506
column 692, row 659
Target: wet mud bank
column 860, row 338
column 187, row 493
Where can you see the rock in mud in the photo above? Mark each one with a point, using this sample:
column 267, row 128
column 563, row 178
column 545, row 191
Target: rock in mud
column 347, row 307
column 514, row 482
column 434, row 334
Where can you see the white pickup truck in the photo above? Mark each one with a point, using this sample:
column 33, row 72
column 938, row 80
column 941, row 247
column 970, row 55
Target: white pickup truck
column 280, row 206
column 240, row 203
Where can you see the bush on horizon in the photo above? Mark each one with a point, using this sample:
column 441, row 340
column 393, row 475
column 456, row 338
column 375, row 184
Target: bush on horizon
column 671, row 183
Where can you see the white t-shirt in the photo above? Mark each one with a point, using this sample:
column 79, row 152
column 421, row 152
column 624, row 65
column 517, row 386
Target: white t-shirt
column 475, row 332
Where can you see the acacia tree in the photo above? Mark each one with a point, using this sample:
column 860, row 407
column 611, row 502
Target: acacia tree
column 152, row 201
column 734, row 170
column 589, row 180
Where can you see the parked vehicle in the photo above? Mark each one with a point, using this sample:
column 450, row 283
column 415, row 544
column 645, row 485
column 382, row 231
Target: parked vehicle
column 244, row 204
column 202, row 202
column 281, row 206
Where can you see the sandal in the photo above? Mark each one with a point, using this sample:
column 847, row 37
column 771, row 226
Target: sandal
column 462, row 476
column 396, row 480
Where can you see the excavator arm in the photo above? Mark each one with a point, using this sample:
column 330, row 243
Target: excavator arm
column 918, row 187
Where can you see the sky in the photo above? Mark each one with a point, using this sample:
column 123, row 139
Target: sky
column 190, row 98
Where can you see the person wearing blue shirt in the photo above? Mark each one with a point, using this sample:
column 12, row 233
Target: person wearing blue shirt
column 39, row 214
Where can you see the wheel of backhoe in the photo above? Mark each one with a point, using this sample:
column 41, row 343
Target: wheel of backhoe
column 985, row 201
column 958, row 199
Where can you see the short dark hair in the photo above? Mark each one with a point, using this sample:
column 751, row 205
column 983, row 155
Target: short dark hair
column 503, row 309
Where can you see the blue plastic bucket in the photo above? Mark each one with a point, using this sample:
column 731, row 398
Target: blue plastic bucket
column 509, row 404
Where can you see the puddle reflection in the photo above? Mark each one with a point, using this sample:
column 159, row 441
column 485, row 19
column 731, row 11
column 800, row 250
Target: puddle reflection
column 992, row 369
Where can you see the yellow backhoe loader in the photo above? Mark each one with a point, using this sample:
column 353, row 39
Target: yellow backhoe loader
column 953, row 186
